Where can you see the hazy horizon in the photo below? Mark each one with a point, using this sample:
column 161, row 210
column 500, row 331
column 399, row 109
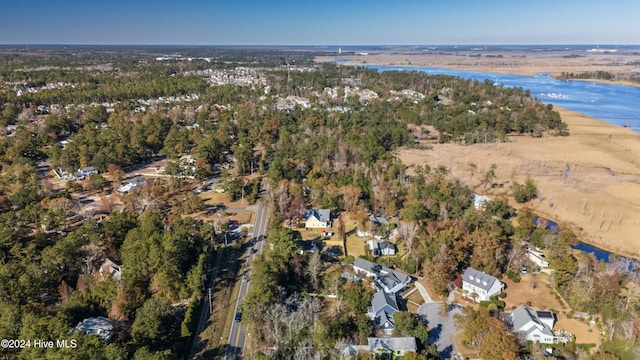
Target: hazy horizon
column 334, row 46
column 315, row 23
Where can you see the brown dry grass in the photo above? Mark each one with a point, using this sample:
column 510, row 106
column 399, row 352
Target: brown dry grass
column 579, row 329
column 214, row 198
column 464, row 351
column 415, row 297
column 355, row 246
column 602, row 206
column 521, row 63
column 542, row 297
column 242, row 216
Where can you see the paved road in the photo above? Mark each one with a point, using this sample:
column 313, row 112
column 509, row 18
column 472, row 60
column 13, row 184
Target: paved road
column 442, row 327
column 238, row 331
column 238, row 334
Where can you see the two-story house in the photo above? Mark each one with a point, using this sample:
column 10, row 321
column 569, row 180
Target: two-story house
column 484, row 285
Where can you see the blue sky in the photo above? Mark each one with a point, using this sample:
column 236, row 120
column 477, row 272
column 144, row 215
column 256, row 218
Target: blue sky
column 314, row 22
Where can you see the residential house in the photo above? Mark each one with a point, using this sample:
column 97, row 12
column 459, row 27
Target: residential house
column 375, row 222
column 381, row 311
column 479, row 201
column 373, row 247
column 348, row 351
column 317, row 219
column 388, row 347
column 391, row 281
column 125, row 188
column 392, row 347
column 536, row 326
column 99, row 326
column 387, row 248
column 362, row 233
column 484, row 285
column 537, row 257
column 378, row 220
column 110, row 268
column 86, row 172
column 381, row 248
column 366, row 267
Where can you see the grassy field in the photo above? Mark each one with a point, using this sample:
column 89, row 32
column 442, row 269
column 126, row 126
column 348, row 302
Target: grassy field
column 541, row 297
column 599, row 198
column 522, row 63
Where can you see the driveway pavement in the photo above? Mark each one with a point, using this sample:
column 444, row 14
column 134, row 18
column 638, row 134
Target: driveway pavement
column 442, row 327
column 425, row 295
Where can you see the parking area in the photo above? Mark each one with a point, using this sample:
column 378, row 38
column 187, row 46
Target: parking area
column 442, row 327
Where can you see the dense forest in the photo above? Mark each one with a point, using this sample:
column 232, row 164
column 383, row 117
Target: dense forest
column 337, row 153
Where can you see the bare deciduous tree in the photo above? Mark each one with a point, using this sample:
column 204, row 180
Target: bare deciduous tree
column 516, row 258
column 91, row 256
column 314, row 268
column 408, row 232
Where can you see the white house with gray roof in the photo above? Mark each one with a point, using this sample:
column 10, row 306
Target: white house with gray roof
column 392, row 346
column 536, row 326
column 387, row 347
column 484, row 285
column 317, row 219
column 389, row 280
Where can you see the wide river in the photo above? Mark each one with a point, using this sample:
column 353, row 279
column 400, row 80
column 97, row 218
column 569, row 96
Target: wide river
column 617, row 104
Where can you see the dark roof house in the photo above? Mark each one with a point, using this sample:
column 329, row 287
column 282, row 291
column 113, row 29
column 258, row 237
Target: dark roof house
column 381, row 311
column 391, row 281
column 378, row 220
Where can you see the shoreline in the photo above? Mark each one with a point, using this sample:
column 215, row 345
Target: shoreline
column 525, row 67
column 601, row 204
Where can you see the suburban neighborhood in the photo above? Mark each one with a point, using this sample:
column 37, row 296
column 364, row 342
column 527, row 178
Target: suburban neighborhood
column 228, row 203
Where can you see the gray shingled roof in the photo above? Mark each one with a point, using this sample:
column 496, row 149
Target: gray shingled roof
column 386, row 245
column 378, row 220
column 323, row 215
column 384, row 275
column 365, row 264
column 381, row 299
column 526, row 320
column 392, row 279
column 393, row 343
column 479, row 279
column 99, row 326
